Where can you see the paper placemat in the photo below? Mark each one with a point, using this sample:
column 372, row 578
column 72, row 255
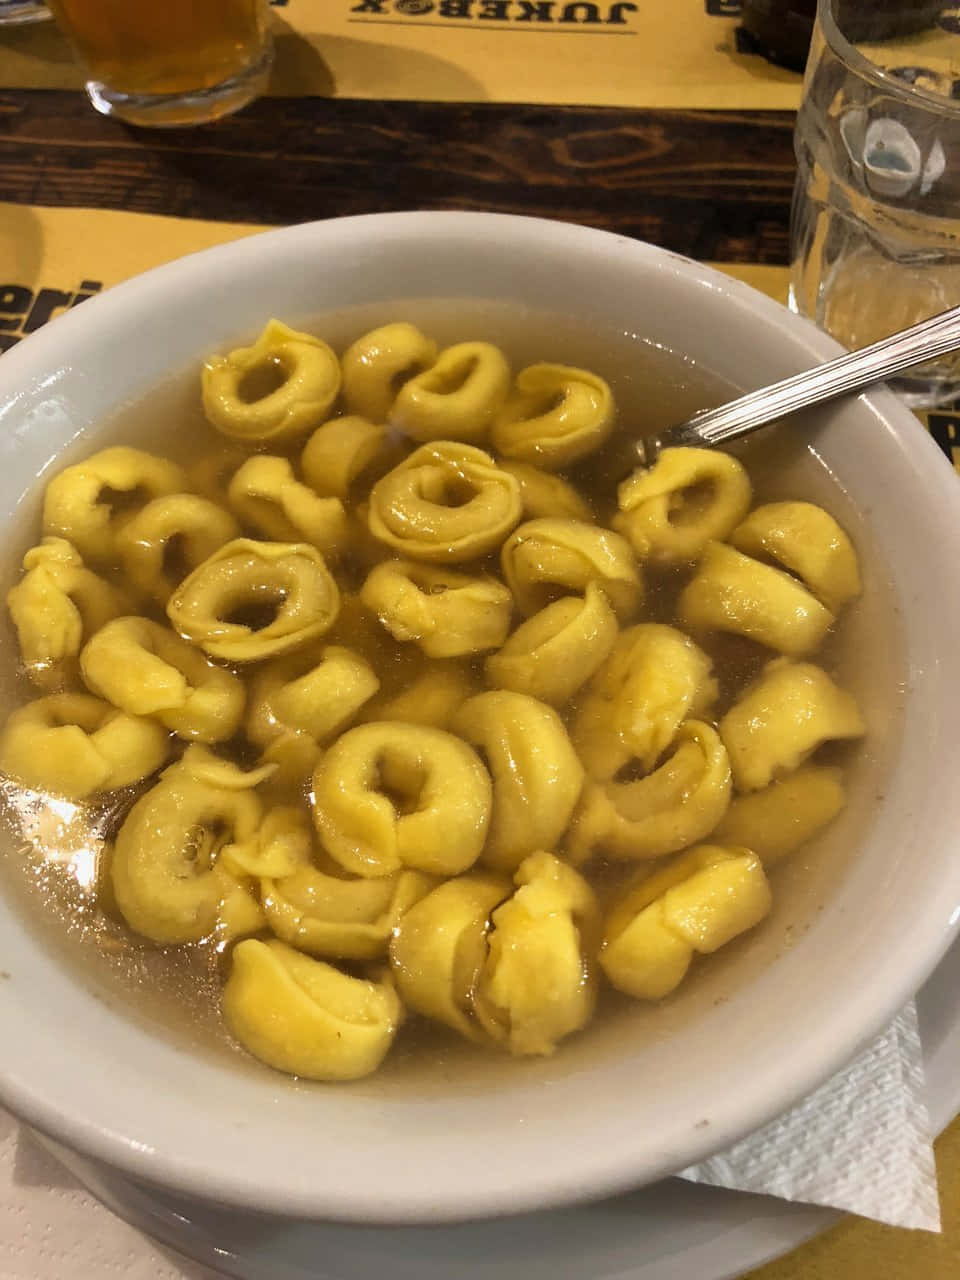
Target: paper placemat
column 648, row 53
column 52, row 259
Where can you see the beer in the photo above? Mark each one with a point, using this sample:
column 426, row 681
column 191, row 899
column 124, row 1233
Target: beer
column 169, row 63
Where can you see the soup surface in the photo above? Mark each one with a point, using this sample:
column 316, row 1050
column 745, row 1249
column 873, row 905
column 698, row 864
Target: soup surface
column 59, row 857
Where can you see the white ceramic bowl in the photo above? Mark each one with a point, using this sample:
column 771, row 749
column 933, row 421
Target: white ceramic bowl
column 644, row 1097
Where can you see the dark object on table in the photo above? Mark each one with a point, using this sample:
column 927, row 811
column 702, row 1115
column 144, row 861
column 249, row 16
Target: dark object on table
column 780, row 30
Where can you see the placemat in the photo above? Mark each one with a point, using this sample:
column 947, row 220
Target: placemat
column 645, row 53
column 54, row 258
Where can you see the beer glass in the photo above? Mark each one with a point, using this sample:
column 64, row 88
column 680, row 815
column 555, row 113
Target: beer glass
column 875, row 226
column 175, row 63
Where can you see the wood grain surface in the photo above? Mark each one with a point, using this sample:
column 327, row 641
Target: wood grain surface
column 708, row 184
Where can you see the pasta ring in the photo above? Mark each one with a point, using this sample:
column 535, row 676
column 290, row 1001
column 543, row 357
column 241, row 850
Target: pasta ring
column 265, row 493
column 663, row 509
column 443, row 794
column 76, row 746
column 677, row 805
column 537, row 777
column 777, row 820
column 555, row 416
column 807, row 541
column 342, row 450
column 542, row 556
column 447, row 614
column 313, row 693
column 168, row 881
column 291, row 578
column 546, row 496
column 374, row 365
column 77, row 506
column 305, row 1017
column 457, row 398
column 56, row 606
column 431, row 698
column 554, row 653
column 446, row 502
column 181, row 527
column 310, row 384
column 144, row 669
column 734, row 592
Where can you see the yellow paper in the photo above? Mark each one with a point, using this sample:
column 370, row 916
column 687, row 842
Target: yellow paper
column 649, row 53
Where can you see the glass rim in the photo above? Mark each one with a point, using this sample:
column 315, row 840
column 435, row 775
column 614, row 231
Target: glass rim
column 870, row 71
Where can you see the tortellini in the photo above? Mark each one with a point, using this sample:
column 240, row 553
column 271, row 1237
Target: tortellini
column 389, row 795
column 169, row 538
column 447, row 614
column 544, row 558
column 457, row 398
column 280, row 388
column 784, row 716
column 75, row 745
column 146, row 670
column 305, row 1017
column 537, row 777
column 675, row 806
column 653, row 680
column 452, row 689
column 554, row 653
column 688, row 498
column 286, row 587
column 733, row 592
column 89, row 503
column 446, row 503
column 167, row 880
column 378, row 363
column 555, row 416
column 56, row 606
column 699, row 903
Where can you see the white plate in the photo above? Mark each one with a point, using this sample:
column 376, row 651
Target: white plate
column 671, row 1231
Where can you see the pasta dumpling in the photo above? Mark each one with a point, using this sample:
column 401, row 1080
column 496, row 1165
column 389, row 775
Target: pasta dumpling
column 344, row 449
column 317, row 693
column 447, row 614
column 546, row 496
column 170, row 537
column 654, row 679
column 775, row 821
column 542, row 557
column 432, row 697
column 555, row 416
column 554, row 653
column 733, row 592
column 538, row 982
column 378, row 362
column 306, row 1017
column 278, row 388
column 537, row 777
column 697, row 904
column 671, row 511
column 78, row 504
column 782, row 718
column 266, row 494
column 389, row 795
column 457, row 397
column 675, row 806
column 75, row 745
column 144, row 669
column 446, row 502
column 288, row 580
column 807, row 541
column 439, row 948
column 56, row 606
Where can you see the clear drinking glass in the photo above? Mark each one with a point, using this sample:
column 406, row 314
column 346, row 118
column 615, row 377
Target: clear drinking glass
column 175, row 63
column 875, row 226
column 20, row 11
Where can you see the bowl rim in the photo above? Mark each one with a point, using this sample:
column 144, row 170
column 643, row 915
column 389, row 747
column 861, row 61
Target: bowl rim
column 594, row 1174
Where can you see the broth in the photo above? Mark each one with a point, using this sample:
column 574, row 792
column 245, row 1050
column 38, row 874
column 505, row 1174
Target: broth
column 51, row 855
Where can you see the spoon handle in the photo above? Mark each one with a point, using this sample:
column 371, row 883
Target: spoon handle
column 850, row 372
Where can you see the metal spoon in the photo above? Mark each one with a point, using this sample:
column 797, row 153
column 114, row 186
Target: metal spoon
column 851, row 372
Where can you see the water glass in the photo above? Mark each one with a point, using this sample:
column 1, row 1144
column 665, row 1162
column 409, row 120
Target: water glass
column 180, row 62
column 875, row 226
